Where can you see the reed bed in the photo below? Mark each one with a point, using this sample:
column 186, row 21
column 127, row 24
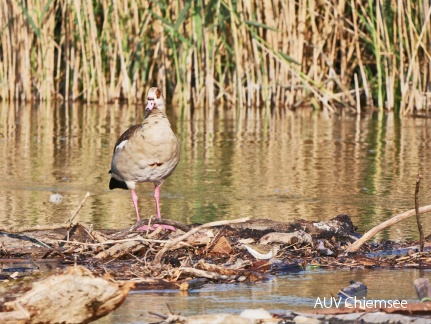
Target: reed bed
column 275, row 54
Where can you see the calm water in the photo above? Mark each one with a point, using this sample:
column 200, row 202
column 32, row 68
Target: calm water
column 293, row 292
column 300, row 165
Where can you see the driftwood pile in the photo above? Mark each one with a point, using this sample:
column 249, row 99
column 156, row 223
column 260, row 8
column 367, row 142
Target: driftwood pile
column 232, row 251
column 226, row 251
column 218, row 251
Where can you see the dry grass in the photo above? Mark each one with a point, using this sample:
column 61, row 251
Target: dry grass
column 273, row 54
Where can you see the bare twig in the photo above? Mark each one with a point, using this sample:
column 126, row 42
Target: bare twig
column 397, row 218
column 76, row 212
column 418, row 220
column 158, row 258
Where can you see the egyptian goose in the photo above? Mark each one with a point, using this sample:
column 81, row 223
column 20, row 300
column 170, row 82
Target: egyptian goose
column 148, row 152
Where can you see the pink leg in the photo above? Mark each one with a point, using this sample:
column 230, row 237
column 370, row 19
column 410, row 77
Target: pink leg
column 158, row 215
column 157, row 198
column 135, row 203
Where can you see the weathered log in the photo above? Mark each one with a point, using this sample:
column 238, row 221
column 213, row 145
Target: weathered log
column 70, row 295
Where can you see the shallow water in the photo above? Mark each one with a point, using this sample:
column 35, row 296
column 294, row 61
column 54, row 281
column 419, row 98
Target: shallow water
column 300, row 165
column 290, row 292
column 306, row 165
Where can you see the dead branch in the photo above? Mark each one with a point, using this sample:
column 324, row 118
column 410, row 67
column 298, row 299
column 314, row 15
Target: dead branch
column 76, row 211
column 418, row 220
column 396, row 219
column 158, row 258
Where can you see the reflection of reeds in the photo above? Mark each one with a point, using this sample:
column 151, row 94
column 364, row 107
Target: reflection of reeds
column 272, row 53
column 304, row 165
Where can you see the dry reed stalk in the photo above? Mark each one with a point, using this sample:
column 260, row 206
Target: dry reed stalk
column 82, row 50
column 210, row 51
column 125, row 84
column 101, row 82
column 414, row 66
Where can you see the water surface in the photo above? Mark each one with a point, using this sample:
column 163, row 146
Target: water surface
column 299, row 292
column 298, row 165
column 305, row 164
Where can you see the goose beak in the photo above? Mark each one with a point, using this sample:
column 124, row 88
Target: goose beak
column 147, row 113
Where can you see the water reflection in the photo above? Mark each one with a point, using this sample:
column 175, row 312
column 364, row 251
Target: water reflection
column 292, row 165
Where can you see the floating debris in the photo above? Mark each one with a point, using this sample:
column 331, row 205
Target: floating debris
column 55, row 198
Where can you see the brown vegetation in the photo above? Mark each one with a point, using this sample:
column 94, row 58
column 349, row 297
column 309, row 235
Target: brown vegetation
column 261, row 53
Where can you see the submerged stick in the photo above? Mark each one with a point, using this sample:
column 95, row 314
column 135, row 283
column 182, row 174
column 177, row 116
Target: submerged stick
column 418, row 220
column 396, row 219
column 16, row 229
column 158, row 258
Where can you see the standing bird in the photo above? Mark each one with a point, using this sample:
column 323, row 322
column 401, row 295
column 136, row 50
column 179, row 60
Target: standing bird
column 148, row 152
